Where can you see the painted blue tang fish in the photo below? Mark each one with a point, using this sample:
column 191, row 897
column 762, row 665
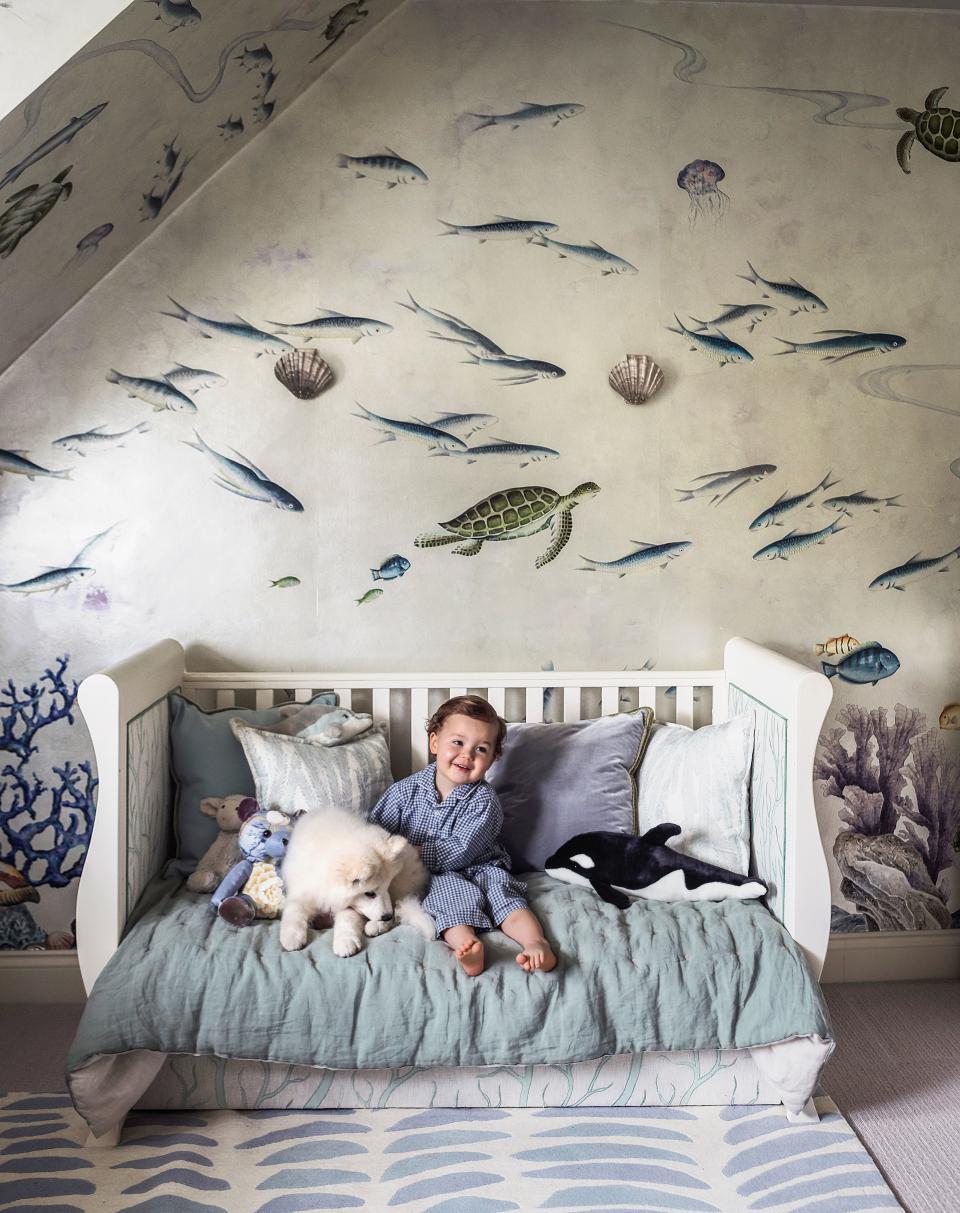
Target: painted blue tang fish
column 393, row 428
column 796, row 541
column 245, row 479
column 237, row 329
column 791, row 292
column 53, row 579
column 505, row 228
column 646, row 553
column 751, row 312
column 593, row 254
column 393, row 567
column 844, row 343
column 913, row 570
column 530, row 112
column 869, row 663
column 783, row 503
column 720, row 348
column 386, row 166
column 524, row 370
column 453, row 328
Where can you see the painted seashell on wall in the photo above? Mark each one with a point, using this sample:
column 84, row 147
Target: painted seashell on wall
column 304, row 373
column 636, row 378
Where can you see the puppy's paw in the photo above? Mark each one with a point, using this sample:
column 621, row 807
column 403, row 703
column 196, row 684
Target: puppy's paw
column 373, row 929
column 292, row 937
column 346, row 945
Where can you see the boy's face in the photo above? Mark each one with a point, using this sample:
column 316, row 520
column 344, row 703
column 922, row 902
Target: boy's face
column 464, row 750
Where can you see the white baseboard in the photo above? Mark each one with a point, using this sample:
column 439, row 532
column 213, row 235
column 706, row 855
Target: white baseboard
column 892, row 956
column 40, row 977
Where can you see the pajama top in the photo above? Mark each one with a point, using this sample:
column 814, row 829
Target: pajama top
column 471, row 882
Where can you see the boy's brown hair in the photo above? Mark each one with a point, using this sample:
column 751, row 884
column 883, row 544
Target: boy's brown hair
column 474, row 707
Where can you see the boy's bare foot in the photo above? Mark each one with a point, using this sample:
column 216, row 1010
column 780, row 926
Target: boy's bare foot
column 537, row 955
column 470, row 955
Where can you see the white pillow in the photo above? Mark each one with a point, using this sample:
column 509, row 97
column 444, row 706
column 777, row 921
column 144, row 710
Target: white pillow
column 297, row 776
column 700, row 779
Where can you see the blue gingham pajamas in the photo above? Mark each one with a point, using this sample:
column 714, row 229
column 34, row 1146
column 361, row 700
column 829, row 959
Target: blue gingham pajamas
column 471, row 882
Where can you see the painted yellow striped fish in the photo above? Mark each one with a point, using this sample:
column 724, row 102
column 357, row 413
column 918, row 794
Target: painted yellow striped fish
column 836, row 646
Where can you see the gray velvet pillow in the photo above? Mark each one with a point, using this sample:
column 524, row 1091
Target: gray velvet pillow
column 558, row 780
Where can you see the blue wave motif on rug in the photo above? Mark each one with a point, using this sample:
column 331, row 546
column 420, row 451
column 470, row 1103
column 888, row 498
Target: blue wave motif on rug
column 440, row 1160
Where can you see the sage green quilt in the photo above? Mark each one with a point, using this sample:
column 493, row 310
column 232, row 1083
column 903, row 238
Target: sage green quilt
column 658, row 976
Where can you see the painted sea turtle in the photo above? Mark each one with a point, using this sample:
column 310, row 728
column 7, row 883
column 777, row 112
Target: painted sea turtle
column 938, row 129
column 512, row 514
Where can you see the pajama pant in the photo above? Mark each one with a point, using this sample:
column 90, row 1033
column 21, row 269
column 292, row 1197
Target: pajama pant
column 480, row 896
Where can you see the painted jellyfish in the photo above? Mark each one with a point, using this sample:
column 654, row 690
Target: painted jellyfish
column 88, row 244
column 701, row 179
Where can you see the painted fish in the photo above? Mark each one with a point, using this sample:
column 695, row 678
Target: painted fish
column 720, row 348
column 797, row 541
column 284, row 583
column 524, row 370
column 646, row 553
column 53, row 579
column 791, row 292
column 393, row 567
column 530, row 112
column 177, row 14
column 454, row 328
column 751, row 312
column 258, row 59
column 783, row 504
column 844, row 344
column 232, row 127
column 950, row 716
column 192, row 378
column 386, row 166
column 244, row 478
column 504, row 449
column 17, row 463
column 393, row 428
column 237, row 329
column 869, row 663
column 837, row 646
column 96, row 439
column 156, row 392
column 369, row 596
column 721, row 485
column 593, row 254
column 913, row 570
column 505, row 228
column 58, row 139
column 860, row 501
column 464, row 425
column 334, row 324
column 28, row 207
column 82, row 558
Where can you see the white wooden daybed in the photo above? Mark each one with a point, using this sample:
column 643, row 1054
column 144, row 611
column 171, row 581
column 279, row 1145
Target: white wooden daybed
column 127, row 712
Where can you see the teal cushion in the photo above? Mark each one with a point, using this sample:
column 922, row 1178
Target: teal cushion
column 207, row 760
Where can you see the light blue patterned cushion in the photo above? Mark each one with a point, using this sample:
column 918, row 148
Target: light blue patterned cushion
column 296, row 776
column 700, row 779
column 207, row 760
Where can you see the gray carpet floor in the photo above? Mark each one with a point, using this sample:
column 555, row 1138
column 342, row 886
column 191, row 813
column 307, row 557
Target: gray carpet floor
column 895, row 1075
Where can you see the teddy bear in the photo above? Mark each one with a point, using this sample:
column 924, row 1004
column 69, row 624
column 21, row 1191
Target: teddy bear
column 224, row 851
column 253, row 888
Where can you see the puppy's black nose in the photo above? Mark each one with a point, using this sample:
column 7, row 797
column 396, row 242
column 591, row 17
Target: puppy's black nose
column 385, row 917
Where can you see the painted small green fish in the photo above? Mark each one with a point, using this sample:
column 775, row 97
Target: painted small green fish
column 283, row 583
column 369, row 596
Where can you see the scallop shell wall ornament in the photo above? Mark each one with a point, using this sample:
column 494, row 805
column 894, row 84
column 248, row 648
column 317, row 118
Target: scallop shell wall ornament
column 304, row 373
column 636, row 378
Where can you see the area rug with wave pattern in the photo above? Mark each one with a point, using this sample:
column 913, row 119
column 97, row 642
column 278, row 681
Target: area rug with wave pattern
column 440, row 1160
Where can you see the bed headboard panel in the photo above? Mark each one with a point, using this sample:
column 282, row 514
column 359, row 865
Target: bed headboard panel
column 404, row 702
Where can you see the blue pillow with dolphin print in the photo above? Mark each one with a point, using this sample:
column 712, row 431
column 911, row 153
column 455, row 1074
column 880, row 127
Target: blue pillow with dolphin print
column 207, row 760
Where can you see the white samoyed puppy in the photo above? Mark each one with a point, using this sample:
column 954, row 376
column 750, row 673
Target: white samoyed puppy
column 369, row 880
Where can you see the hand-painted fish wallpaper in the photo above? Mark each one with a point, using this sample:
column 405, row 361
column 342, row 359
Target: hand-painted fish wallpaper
column 471, row 223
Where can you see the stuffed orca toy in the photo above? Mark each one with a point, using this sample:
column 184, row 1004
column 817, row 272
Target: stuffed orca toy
column 619, row 867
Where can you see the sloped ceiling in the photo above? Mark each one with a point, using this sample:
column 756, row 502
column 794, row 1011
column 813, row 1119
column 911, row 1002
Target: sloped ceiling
column 133, row 123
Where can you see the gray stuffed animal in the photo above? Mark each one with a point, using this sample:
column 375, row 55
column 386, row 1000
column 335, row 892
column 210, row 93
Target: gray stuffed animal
column 224, row 851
